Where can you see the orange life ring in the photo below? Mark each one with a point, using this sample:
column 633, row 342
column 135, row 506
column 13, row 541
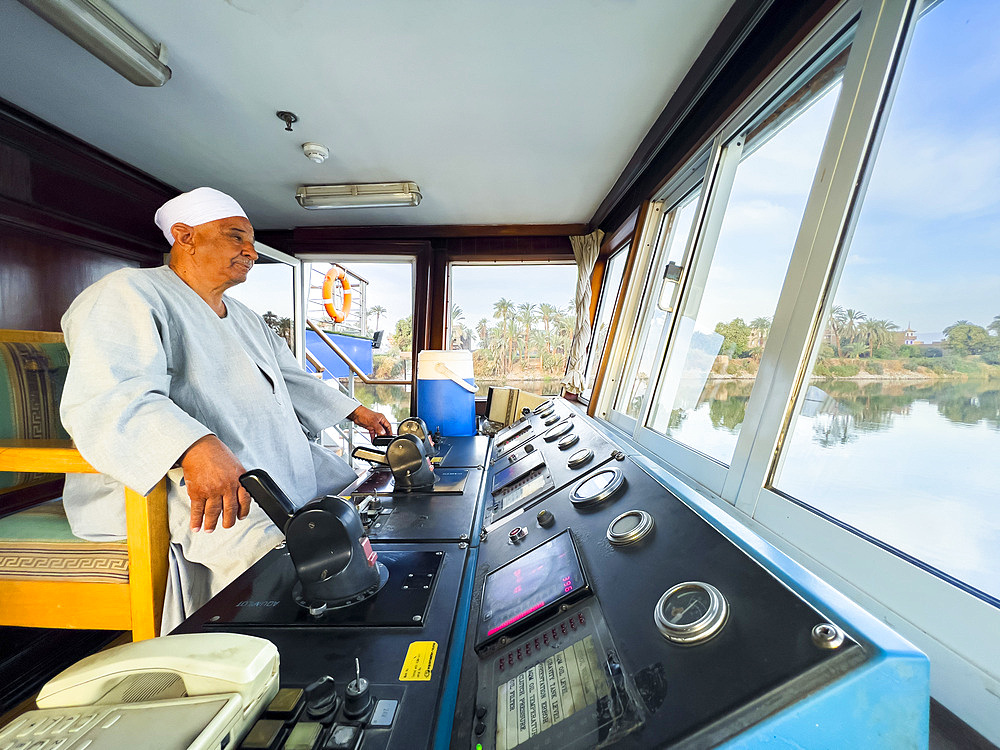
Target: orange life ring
column 336, row 273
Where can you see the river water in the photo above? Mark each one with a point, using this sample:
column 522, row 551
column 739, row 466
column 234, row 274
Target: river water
column 913, row 464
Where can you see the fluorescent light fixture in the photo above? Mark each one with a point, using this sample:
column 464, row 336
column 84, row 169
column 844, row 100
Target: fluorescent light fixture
column 109, row 36
column 368, row 195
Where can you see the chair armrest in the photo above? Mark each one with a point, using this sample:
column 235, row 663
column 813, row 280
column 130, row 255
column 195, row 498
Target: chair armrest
column 43, row 456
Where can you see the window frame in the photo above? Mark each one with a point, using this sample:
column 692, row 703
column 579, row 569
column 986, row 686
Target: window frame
column 953, row 625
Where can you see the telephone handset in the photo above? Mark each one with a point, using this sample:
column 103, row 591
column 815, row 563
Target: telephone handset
column 189, row 691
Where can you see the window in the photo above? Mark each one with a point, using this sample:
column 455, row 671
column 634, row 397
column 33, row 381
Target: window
column 614, row 270
column 672, row 241
column 517, row 319
column 899, row 440
column 377, row 331
column 725, row 318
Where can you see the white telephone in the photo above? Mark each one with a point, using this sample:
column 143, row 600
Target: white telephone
column 202, row 690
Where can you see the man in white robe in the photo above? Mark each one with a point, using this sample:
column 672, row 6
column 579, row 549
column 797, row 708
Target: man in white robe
column 169, row 376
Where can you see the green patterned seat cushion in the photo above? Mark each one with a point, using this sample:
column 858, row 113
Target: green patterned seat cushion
column 32, row 376
column 37, row 544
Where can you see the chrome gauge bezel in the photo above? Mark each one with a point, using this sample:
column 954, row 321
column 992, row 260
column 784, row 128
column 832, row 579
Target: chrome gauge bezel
column 568, row 441
column 641, row 529
column 580, row 458
column 705, row 627
column 557, row 430
column 544, row 406
column 549, row 419
column 616, row 482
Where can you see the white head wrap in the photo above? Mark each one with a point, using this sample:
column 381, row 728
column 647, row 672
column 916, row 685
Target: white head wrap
column 198, row 206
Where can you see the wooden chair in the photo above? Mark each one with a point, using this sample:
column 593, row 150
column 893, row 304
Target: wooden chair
column 34, row 598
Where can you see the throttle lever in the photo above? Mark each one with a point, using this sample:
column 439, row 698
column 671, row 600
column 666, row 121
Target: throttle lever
column 269, row 496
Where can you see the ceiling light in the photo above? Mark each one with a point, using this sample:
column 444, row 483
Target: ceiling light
column 369, row 195
column 109, row 36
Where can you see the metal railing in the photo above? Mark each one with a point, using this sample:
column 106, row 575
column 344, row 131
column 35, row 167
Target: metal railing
column 355, row 372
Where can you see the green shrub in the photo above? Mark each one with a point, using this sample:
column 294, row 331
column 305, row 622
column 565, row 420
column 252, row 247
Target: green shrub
column 875, row 368
column 845, row 371
column 821, row 369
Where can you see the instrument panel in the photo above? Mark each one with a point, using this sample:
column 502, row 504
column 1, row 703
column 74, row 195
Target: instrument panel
column 557, row 597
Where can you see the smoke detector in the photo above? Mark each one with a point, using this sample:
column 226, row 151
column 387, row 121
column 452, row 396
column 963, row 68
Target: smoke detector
column 316, row 152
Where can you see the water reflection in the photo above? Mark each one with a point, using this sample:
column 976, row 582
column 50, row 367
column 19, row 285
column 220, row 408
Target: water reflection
column 842, row 410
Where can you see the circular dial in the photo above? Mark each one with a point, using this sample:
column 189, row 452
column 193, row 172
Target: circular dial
column 581, row 458
column 557, row 430
column 569, row 441
column 629, row 527
column 544, row 406
column 691, row 613
column 550, row 418
column 597, row 487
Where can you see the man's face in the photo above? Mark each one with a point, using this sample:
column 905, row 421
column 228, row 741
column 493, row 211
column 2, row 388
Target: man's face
column 224, row 252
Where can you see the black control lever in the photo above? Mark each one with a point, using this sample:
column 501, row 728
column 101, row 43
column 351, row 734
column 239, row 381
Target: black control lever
column 418, row 428
column 406, row 456
column 269, row 496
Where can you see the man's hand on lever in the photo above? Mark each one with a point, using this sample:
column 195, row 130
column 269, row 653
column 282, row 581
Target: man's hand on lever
column 212, row 475
column 373, row 421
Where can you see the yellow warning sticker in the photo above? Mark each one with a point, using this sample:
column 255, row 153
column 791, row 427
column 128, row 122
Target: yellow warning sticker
column 419, row 662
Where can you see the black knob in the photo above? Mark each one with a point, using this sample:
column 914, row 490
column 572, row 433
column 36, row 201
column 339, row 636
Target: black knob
column 545, row 518
column 480, row 728
column 321, row 697
column 480, row 711
column 358, row 698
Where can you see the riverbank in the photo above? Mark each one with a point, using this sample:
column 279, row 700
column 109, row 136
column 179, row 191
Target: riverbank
column 863, row 370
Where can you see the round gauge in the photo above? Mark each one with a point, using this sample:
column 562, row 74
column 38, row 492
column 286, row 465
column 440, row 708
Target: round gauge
column 557, row 430
column 629, row 527
column 581, row 458
column 691, row 613
column 544, row 406
column 550, row 419
column 569, row 441
column 548, row 411
column 597, row 487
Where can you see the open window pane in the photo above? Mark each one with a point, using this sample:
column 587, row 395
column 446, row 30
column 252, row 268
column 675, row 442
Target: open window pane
column 613, row 273
column 720, row 337
column 269, row 291
column 376, row 332
column 898, row 431
column 672, row 241
column 517, row 319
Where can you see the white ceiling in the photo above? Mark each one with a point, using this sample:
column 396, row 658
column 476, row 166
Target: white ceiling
column 504, row 112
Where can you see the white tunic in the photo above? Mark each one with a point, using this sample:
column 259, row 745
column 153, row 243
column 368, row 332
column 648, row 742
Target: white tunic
column 152, row 369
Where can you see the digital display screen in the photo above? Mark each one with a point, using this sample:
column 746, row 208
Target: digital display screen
column 517, row 470
column 528, row 588
column 534, row 483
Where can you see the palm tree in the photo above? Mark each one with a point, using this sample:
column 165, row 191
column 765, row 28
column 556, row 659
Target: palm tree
column 852, row 323
column 548, row 313
column 526, row 316
column 876, row 333
column 483, row 331
column 837, row 321
column 502, row 309
column 378, row 311
column 759, row 328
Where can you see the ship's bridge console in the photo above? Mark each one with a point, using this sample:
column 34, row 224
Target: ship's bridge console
column 541, row 588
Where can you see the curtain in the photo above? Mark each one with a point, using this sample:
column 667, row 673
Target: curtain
column 585, row 250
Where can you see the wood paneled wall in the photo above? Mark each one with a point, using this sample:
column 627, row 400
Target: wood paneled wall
column 69, row 214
